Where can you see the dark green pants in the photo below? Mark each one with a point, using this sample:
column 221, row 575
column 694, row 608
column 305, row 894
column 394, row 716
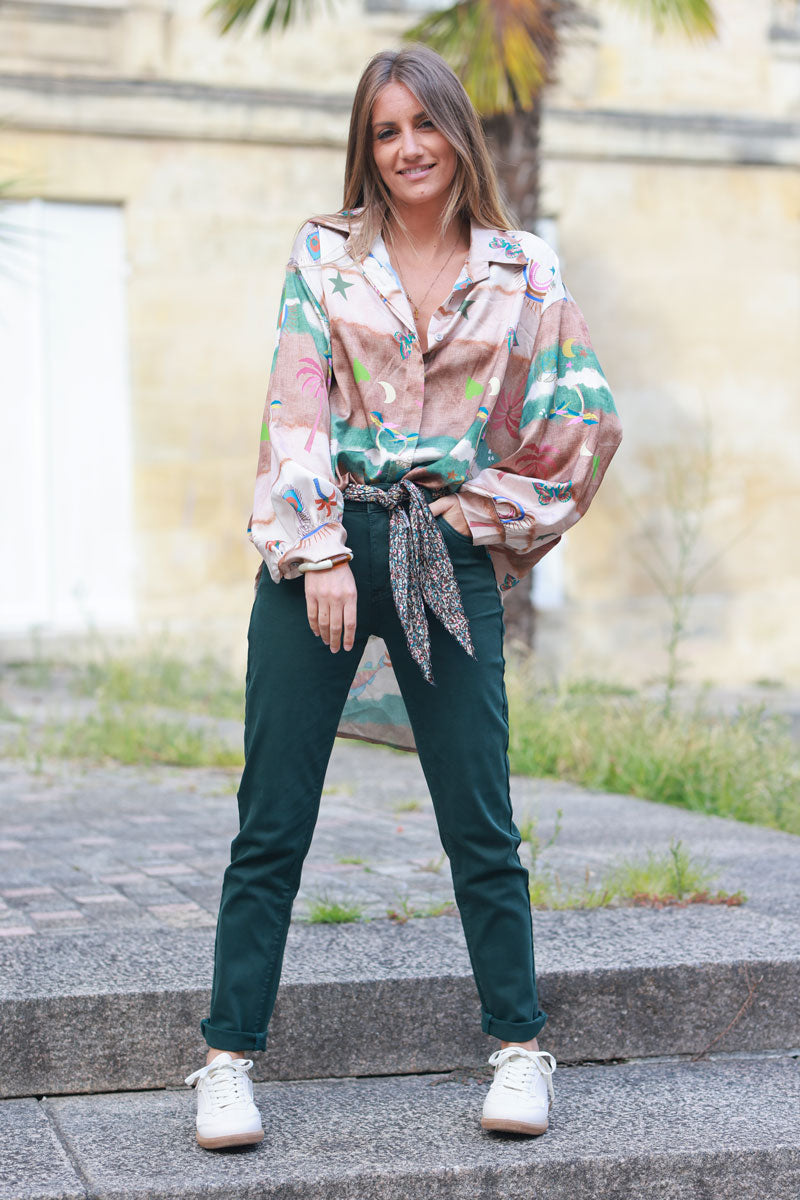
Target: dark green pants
column 296, row 690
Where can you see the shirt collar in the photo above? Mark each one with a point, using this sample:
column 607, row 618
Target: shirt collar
column 485, row 246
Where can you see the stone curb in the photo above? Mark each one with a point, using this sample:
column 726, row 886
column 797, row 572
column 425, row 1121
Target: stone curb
column 112, row 1012
column 668, row 1129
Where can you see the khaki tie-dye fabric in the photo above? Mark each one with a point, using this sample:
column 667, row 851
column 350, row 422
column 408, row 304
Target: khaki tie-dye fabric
column 509, row 408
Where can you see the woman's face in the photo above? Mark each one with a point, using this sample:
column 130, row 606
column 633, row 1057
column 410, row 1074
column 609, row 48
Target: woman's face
column 414, row 160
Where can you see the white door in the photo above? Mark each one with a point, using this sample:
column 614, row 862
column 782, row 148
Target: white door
column 65, row 437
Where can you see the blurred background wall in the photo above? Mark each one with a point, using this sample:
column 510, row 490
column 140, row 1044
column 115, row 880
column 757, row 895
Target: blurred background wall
column 156, row 173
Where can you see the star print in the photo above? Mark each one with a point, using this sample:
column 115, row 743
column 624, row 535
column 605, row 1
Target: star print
column 340, row 285
column 464, row 306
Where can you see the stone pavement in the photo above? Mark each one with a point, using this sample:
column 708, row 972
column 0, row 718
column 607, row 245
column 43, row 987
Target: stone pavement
column 117, row 847
column 109, row 882
column 666, row 1131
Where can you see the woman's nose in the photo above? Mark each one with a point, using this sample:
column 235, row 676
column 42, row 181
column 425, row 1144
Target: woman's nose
column 410, row 143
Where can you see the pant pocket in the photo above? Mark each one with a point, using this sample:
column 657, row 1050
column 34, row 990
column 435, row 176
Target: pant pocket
column 448, row 528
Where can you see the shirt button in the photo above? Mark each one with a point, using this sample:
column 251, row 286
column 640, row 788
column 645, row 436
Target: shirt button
column 437, row 337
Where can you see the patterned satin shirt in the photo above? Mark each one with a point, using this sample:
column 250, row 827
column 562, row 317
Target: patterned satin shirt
column 509, row 408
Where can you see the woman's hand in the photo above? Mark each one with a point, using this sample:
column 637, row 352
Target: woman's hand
column 331, row 605
column 450, row 508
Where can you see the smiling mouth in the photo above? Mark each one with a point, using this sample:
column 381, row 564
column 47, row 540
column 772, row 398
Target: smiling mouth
column 422, row 170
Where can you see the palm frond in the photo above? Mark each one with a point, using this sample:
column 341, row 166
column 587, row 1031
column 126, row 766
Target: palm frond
column 695, row 18
column 500, row 51
column 278, row 13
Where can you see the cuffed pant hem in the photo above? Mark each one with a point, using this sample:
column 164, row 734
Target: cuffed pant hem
column 231, row 1039
column 512, row 1031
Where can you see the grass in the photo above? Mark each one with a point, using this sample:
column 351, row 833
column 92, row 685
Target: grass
column 434, row 865
column 598, row 734
column 324, row 911
column 168, row 681
column 673, row 878
column 675, row 873
column 142, row 705
column 125, row 734
column 405, row 911
column 744, row 767
column 407, row 806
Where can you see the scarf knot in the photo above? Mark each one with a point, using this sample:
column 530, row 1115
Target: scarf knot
column 420, row 569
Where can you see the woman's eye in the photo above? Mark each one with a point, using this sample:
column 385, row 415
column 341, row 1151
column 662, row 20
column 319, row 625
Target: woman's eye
column 384, row 134
column 427, row 122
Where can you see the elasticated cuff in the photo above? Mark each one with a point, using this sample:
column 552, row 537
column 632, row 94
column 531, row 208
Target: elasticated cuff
column 231, row 1039
column 512, row 1031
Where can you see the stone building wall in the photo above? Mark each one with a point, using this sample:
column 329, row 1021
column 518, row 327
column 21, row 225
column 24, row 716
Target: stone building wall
column 670, row 182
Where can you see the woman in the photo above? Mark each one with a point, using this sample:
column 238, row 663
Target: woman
column 435, row 419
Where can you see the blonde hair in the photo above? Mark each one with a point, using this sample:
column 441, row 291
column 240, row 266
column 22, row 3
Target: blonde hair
column 475, row 193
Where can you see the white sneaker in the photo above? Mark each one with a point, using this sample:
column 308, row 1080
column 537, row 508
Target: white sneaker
column 226, row 1112
column 521, row 1094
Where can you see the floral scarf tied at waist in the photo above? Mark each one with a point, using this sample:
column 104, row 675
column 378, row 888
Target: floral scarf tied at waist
column 420, row 569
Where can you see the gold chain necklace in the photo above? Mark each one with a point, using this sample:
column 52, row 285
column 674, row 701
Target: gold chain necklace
column 416, row 307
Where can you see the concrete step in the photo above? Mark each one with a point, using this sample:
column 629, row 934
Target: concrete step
column 667, row 1129
column 117, row 1010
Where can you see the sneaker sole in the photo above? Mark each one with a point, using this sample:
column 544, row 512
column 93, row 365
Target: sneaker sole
column 499, row 1124
column 233, row 1139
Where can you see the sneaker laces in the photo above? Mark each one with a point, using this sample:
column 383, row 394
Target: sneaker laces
column 514, row 1066
column 227, row 1081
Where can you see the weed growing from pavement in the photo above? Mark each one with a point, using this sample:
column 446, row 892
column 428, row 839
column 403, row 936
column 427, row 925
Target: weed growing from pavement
column 673, row 877
column 405, row 911
column 433, row 865
column 325, row 911
column 407, row 806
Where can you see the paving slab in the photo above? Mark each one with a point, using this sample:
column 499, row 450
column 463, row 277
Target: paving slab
column 33, row 1163
column 716, row 1130
column 145, row 847
column 108, row 1012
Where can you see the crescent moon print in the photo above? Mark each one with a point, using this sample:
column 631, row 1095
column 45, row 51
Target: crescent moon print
column 568, row 348
column 391, row 394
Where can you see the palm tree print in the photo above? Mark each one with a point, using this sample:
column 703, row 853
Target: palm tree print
column 314, row 377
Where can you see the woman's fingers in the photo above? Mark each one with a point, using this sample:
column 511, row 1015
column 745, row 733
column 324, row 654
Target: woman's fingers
column 350, row 622
column 312, row 608
column 331, row 607
column 335, row 622
column 324, row 622
column 450, row 508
